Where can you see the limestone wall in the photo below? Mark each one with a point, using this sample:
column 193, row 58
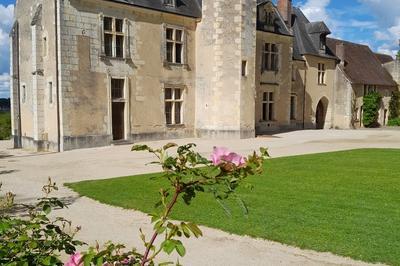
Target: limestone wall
column 226, row 37
column 278, row 82
column 86, row 74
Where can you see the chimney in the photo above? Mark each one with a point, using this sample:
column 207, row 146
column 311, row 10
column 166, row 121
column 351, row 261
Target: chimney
column 285, row 8
column 340, row 52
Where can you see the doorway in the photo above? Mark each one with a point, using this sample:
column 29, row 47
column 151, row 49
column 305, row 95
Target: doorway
column 118, row 120
column 320, row 115
column 118, row 109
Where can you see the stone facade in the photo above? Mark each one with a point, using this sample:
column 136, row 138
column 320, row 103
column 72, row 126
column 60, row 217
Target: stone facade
column 89, row 73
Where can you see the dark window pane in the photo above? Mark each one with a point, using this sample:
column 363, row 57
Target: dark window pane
column 119, row 25
column 271, row 112
column 168, row 94
column 170, row 48
column 265, row 96
column 267, row 61
column 292, row 107
column 170, row 34
column 178, row 109
column 108, row 44
column 168, row 113
column 178, row 35
column 271, row 96
column 117, row 88
column 119, row 46
column 264, row 112
column 178, row 53
column 178, row 94
column 107, row 24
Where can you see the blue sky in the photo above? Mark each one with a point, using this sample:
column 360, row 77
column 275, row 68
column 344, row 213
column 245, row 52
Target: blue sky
column 372, row 22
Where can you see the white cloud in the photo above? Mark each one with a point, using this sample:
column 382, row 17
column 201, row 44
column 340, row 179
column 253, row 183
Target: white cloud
column 387, row 14
column 7, row 17
column 316, row 10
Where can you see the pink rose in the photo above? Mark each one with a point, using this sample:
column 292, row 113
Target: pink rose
column 221, row 155
column 74, row 260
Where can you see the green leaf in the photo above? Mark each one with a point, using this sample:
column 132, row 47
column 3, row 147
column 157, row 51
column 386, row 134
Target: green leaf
column 169, row 146
column 141, row 148
column 46, row 209
column 180, row 248
column 195, row 229
column 168, row 246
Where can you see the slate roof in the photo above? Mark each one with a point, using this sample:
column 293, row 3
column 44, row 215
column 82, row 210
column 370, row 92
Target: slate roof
column 188, row 8
column 361, row 65
column 303, row 43
column 279, row 24
column 384, row 58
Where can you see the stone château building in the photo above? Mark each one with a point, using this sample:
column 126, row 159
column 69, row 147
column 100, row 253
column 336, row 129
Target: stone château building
column 88, row 73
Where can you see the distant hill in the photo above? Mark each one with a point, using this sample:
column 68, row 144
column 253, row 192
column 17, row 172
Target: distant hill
column 5, row 104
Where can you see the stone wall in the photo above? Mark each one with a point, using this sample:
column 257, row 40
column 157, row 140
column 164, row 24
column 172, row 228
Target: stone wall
column 226, row 37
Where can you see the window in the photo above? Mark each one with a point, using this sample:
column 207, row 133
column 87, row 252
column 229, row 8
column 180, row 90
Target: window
column 175, row 45
column 117, row 89
column 244, row 68
column 270, row 57
column 293, row 107
column 113, row 37
column 170, row 3
column 23, row 93
column 321, row 74
column 369, row 88
column 50, row 90
column 44, row 52
column 173, row 106
column 269, row 18
column 268, row 106
column 322, row 42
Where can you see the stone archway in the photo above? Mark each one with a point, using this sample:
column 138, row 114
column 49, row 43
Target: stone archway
column 320, row 114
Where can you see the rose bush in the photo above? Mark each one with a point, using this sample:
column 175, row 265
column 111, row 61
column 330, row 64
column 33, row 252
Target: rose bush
column 41, row 241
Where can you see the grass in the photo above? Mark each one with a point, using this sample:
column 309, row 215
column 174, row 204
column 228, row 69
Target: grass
column 346, row 203
column 5, row 125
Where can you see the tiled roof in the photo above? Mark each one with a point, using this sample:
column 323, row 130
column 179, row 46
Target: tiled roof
column 384, row 58
column 304, row 44
column 188, row 8
column 279, row 24
column 361, row 65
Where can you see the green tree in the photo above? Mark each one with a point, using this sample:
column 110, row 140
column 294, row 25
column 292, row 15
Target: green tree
column 372, row 104
column 394, row 106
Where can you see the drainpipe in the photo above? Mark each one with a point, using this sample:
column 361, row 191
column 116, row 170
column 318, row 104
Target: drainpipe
column 304, row 97
column 57, row 76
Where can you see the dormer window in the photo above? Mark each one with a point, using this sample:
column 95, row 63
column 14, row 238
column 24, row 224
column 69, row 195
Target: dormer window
column 171, row 3
column 269, row 18
column 322, row 42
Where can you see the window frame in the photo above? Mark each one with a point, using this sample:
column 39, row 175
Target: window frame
column 173, row 102
column 114, row 35
column 321, row 74
column 368, row 88
column 271, row 57
column 170, row 3
column 174, row 44
column 269, row 114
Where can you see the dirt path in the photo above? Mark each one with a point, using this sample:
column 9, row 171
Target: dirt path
column 24, row 173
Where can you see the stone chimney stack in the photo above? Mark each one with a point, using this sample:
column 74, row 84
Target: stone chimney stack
column 341, row 53
column 285, row 9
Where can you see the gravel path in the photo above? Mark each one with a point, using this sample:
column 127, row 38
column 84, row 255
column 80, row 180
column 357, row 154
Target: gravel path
column 24, row 173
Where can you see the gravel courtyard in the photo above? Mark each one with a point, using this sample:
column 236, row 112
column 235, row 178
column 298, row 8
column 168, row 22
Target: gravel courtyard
column 24, row 173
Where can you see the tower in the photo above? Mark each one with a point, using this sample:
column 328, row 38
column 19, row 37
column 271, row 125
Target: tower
column 225, row 69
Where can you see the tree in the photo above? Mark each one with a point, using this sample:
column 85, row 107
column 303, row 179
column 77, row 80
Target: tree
column 372, row 104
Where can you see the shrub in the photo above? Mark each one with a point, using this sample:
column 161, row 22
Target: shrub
column 39, row 240
column 394, row 106
column 5, row 125
column 371, row 107
column 394, row 122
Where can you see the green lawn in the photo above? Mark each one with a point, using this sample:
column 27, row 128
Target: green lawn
column 347, row 203
column 5, row 125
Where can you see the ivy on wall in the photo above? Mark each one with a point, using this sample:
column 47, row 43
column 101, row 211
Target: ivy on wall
column 372, row 104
